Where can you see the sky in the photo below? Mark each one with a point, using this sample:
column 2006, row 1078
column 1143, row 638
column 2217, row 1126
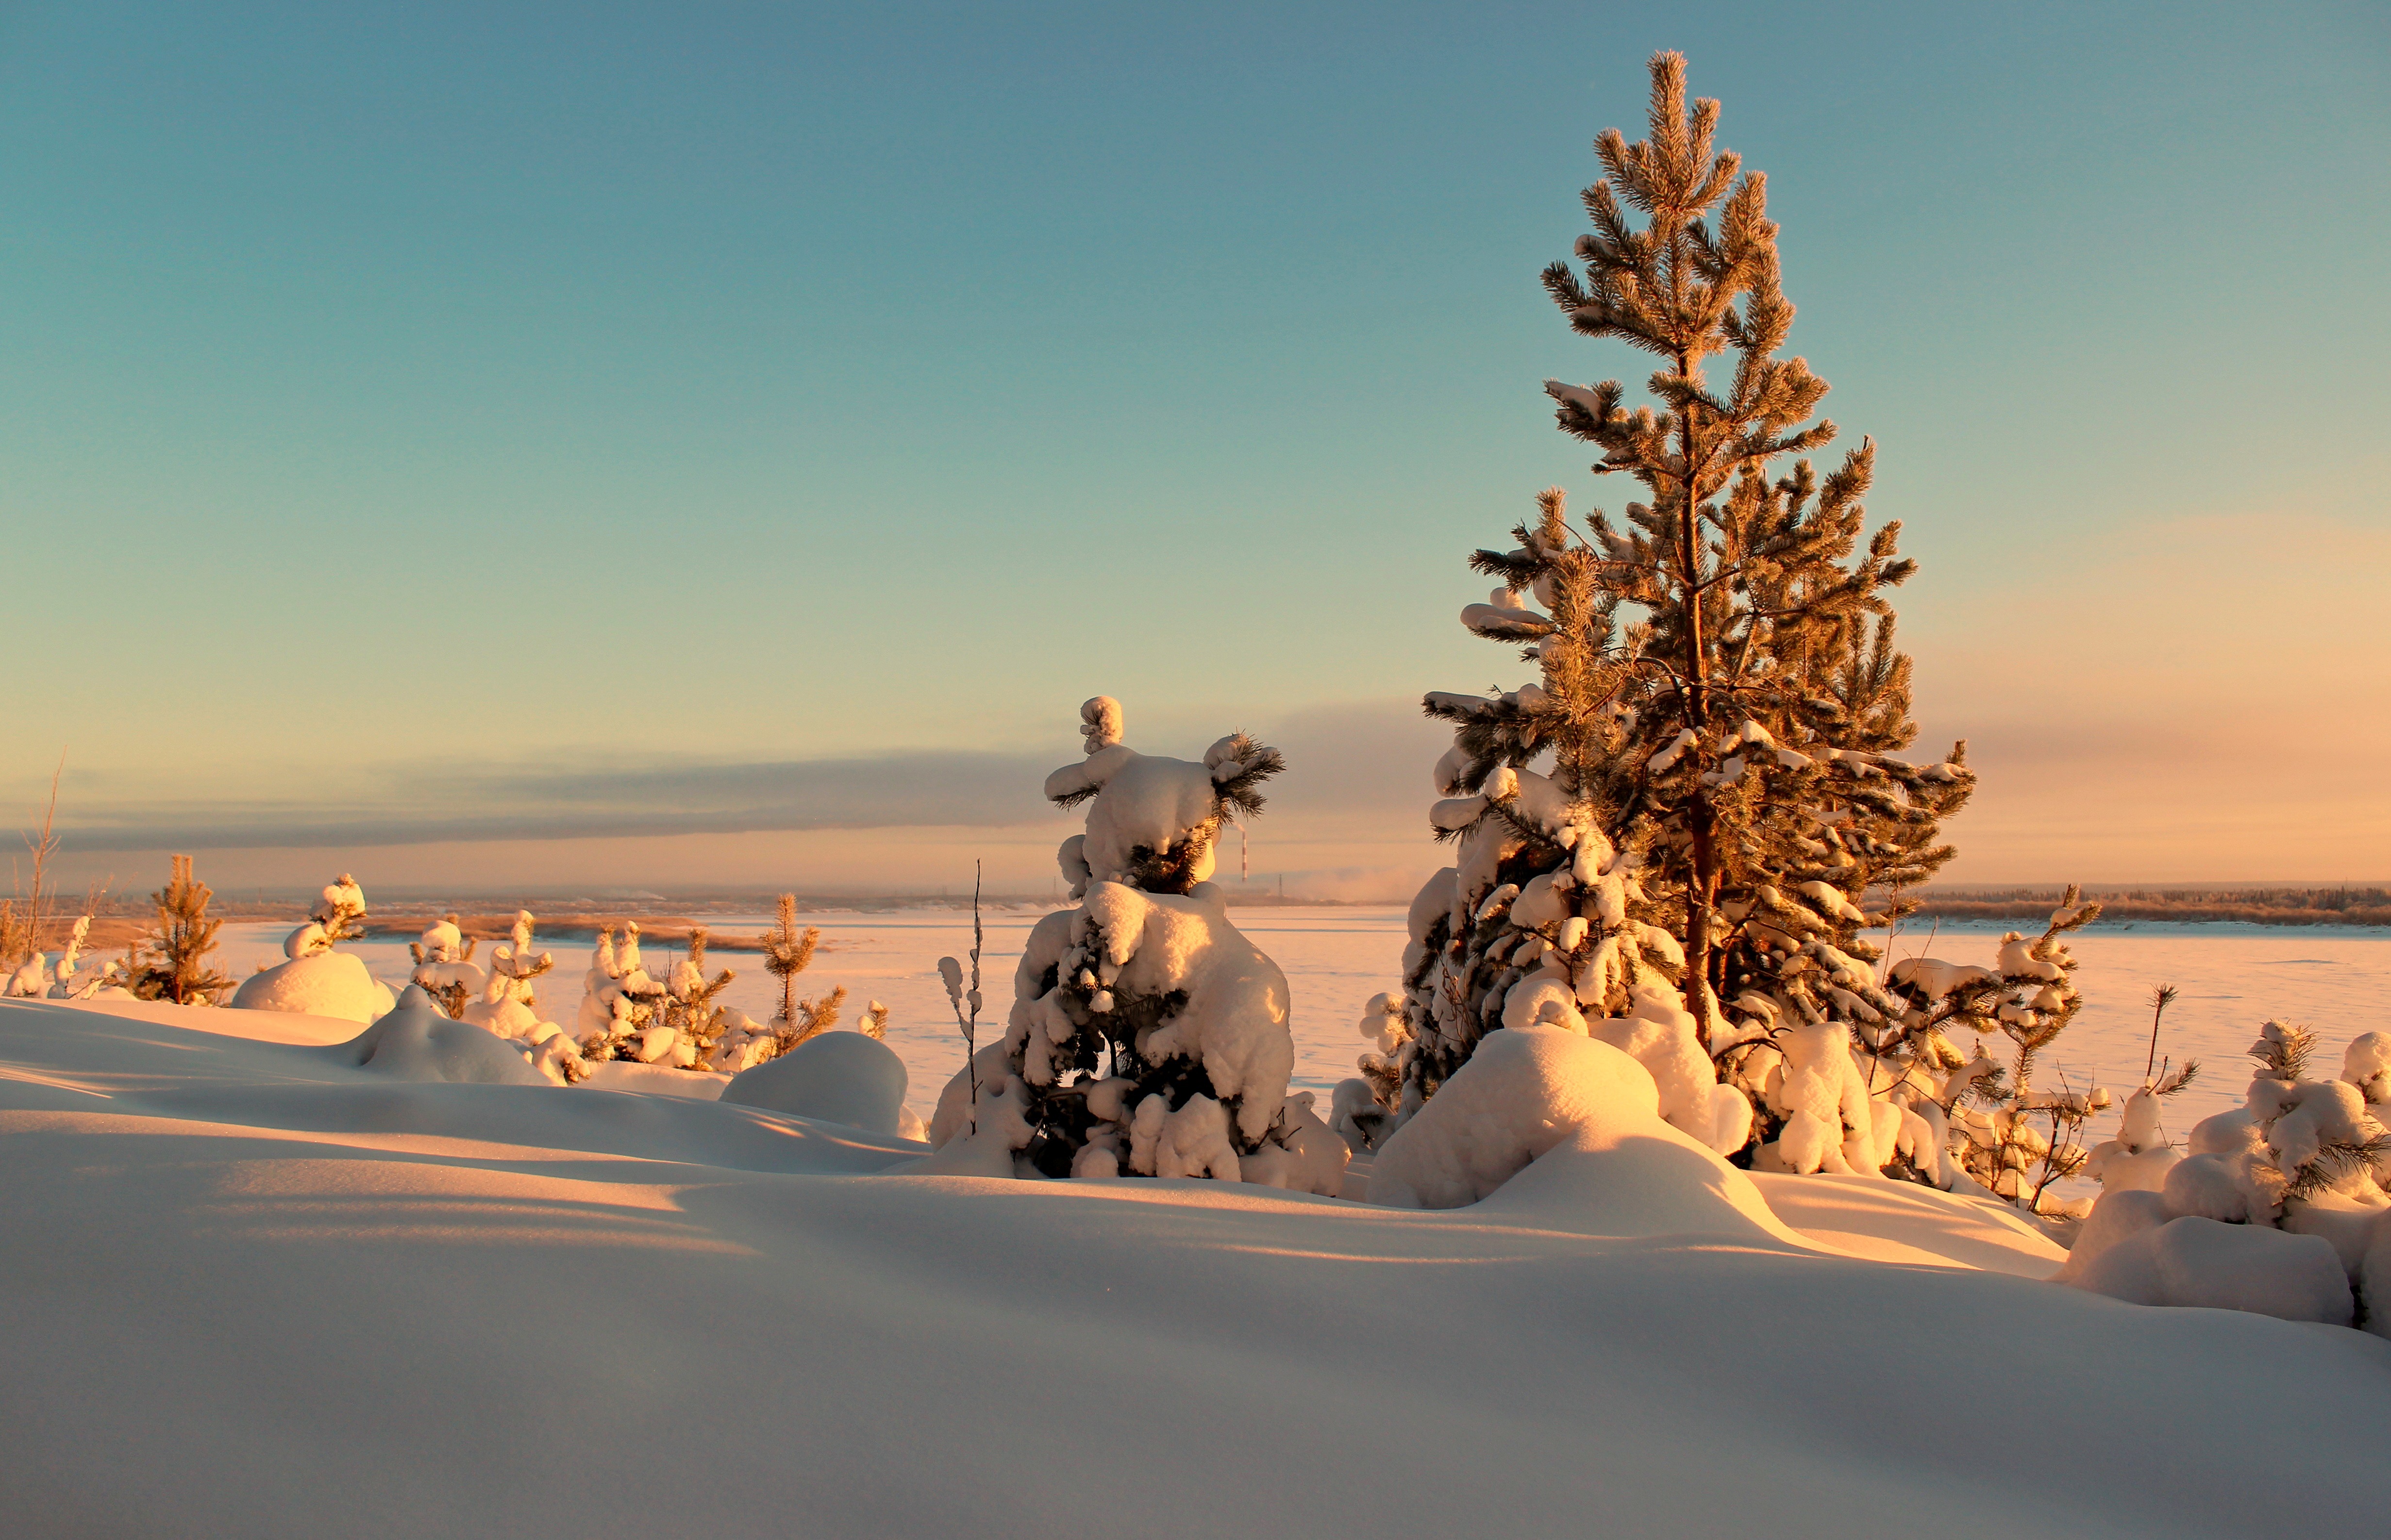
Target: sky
column 659, row 447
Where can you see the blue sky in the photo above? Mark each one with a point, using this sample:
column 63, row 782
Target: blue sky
column 409, row 411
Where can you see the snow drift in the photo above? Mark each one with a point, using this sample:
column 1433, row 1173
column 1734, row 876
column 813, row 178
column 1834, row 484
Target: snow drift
column 313, row 1299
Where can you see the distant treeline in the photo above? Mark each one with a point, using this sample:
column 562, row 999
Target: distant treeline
column 2251, row 905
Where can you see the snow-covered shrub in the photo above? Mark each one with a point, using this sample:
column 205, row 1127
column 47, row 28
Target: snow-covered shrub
column 2137, row 1158
column 625, row 1013
column 73, row 979
column 1148, row 1036
column 445, row 965
column 621, row 1005
column 30, row 978
column 314, row 980
column 1360, row 1109
column 1983, row 1122
column 509, row 1007
column 2277, row 1206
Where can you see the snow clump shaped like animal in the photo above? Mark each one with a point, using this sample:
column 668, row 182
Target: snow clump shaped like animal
column 1148, row 1036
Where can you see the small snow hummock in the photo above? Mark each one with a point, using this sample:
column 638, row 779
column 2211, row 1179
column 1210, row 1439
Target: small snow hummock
column 1147, row 1037
column 416, row 1040
column 841, row 1077
column 1547, row 1122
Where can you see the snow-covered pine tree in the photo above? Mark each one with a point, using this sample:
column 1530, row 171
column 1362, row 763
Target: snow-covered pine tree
column 510, row 1002
column 339, row 916
column 1148, row 1036
column 445, row 966
column 1719, row 694
column 688, row 1007
column 620, row 1001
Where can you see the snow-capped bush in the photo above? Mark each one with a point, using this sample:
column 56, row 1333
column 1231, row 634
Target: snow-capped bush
column 314, row 980
column 509, row 1006
column 73, row 979
column 1359, row 1110
column 1148, row 1036
column 1963, row 1118
column 445, row 966
column 625, row 1013
column 621, row 1005
column 2279, row 1206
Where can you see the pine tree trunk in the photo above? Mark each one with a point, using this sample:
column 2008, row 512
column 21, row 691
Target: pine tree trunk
column 1698, row 710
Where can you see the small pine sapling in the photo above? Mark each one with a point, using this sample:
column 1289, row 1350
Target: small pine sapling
column 619, row 1001
column 511, row 1000
column 1147, row 1037
column 689, row 1007
column 443, row 964
column 172, row 964
column 788, row 952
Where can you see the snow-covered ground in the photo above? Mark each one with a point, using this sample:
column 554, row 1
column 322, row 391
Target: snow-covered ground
column 253, row 1289
column 2232, row 977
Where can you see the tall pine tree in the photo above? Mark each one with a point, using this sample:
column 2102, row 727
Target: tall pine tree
column 1720, row 693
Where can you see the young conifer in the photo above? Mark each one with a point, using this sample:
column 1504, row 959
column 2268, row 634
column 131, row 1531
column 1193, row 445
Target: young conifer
column 1719, row 691
column 173, row 965
column 787, row 953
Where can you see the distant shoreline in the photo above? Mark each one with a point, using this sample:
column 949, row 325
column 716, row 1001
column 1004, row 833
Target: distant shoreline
column 2364, row 908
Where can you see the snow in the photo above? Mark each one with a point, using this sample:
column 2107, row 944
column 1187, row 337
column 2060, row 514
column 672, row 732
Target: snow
column 317, row 984
column 2201, row 1261
column 416, row 1041
column 832, row 1077
column 317, row 1300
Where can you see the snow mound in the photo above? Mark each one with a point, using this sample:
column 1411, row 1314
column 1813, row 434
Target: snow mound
column 414, row 1041
column 323, row 983
column 840, row 1077
column 2142, row 1256
column 1546, row 1122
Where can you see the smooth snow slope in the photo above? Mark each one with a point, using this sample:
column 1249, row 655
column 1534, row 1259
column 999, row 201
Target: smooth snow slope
column 253, row 1292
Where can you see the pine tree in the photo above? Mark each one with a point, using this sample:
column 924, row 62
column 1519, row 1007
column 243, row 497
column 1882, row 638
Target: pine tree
column 787, row 953
column 688, row 1006
column 173, row 963
column 1146, row 1037
column 1719, row 688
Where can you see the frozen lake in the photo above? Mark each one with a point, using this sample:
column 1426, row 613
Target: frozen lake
column 2230, row 977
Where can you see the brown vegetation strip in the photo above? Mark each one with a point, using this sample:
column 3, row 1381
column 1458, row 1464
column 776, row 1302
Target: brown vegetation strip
column 668, row 930
column 2263, row 906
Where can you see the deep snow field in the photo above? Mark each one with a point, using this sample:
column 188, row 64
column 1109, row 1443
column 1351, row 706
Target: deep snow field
column 253, row 1290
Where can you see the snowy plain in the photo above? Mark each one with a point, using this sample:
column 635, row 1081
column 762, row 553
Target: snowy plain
column 253, row 1289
